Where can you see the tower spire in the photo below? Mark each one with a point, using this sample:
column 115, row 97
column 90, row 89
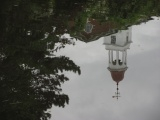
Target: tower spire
column 117, row 94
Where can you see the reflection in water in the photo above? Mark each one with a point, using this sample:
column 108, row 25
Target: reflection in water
column 31, row 75
column 117, row 45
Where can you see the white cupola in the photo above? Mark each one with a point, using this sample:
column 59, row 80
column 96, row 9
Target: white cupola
column 117, row 45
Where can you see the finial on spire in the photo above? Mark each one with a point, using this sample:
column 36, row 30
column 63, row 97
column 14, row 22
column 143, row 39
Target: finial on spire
column 117, row 94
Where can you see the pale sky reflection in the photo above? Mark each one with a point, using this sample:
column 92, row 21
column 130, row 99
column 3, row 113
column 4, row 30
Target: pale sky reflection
column 91, row 93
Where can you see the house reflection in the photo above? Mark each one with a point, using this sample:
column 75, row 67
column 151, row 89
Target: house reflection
column 117, row 45
column 93, row 29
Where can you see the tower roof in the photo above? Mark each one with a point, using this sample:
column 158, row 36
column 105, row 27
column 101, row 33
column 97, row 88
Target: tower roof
column 117, row 76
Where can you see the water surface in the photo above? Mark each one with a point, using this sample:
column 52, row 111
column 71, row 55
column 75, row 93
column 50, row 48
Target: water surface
column 91, row 93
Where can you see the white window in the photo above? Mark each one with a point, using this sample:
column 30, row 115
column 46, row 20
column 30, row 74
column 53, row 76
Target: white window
column 88, row 27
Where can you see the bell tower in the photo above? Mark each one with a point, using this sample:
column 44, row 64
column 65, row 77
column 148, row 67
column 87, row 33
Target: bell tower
column 117, row 45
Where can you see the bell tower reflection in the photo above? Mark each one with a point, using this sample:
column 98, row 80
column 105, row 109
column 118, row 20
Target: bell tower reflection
column 117, row 45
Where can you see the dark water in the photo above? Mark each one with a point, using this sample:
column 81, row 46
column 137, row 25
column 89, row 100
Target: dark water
column 43, row 43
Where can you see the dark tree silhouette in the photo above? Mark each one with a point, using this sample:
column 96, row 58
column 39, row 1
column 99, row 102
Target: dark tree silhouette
column 30, row 80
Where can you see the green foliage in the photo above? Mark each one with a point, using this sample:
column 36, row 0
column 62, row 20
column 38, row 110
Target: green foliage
column 131, row 12
column 30, row 82
column 80, row 21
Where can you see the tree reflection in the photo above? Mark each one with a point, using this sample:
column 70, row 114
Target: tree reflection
column 30, row 77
